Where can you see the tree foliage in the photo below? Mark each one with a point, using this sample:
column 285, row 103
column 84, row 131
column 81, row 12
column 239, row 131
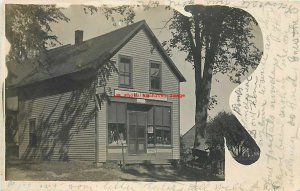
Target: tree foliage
column 28, row 30
column 241, row 146
column 216, row 39
column 124, row 13
column 226, row 29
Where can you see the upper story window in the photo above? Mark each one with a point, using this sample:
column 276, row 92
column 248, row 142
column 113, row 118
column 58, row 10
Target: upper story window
column 155, row 76
column 125, row 71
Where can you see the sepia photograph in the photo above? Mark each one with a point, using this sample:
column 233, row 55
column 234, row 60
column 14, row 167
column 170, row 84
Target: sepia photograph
column 100, row 91
column 127, row 93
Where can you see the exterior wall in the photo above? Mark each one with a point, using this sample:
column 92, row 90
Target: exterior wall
column 65, row 126
column 188, row 138
column 102, row 133
column 140, row 49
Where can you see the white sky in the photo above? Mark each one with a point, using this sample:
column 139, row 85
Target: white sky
column 96, row 24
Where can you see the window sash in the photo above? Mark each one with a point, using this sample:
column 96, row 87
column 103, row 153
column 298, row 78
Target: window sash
column 155, row 83
column 33, row 139
column 125, row 71
column 32, row 125
column 155, row 76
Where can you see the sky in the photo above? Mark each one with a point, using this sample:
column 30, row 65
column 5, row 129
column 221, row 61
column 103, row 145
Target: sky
column 96, row 25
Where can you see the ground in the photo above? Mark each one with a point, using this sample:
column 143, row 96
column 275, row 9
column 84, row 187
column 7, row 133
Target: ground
column 87, row 171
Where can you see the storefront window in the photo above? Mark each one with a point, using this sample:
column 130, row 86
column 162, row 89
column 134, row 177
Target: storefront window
column 117, row 133
column 163, row 135
column 159, row 126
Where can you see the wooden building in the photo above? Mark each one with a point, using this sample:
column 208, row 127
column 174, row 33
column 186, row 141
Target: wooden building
column 60, row 116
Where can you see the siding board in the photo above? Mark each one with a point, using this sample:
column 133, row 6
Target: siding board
column 65, row 126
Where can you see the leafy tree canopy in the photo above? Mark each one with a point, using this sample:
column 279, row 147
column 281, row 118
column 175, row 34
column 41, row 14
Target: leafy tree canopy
column 28, row 28
column 222, row 34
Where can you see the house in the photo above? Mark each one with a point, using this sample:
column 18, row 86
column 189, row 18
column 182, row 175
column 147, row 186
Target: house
column 62, row 116
column 188, row 139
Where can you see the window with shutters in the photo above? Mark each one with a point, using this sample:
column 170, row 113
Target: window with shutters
column 117, row 133
column 125, row 71
column 159, row 126
column 33, row 140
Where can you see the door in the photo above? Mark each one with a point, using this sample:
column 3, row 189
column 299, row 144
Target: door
column 137, row 132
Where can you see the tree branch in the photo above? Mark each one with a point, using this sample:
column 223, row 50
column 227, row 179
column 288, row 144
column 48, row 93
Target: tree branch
column 190, row 35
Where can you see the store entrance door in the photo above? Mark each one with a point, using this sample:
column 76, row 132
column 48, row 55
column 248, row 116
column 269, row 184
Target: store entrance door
column 137, row 123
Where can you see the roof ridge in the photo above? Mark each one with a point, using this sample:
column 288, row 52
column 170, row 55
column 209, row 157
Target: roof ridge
column 93, row 38
column 92, row 52
column 116, row 30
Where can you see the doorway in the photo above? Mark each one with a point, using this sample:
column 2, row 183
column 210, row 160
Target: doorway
column 137, row 123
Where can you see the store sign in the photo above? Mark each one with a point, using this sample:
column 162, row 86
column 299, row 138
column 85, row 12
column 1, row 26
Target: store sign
column 141, row 95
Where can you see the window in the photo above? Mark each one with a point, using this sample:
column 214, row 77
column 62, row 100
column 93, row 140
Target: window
column 159, row 126
column 125, row 68
column 155, row 76
column 117, row 123
column 116, row 134
column 32, row 133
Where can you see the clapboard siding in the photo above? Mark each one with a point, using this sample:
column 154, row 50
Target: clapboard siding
column 102, row 133
column 63, row 133
column 141, row 50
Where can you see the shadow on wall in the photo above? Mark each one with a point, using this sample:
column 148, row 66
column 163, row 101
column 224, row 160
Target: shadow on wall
column 57, row 127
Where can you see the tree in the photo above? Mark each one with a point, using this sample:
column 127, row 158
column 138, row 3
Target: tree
column 216, row 39
column 27, row 29
column 241, row 146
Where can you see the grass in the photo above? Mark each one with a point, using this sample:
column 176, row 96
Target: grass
column 86, row 171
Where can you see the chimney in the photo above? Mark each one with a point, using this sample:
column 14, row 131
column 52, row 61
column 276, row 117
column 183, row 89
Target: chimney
column 78, row 36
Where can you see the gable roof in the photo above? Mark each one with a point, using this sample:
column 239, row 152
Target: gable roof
column 90, row 53
column 188, row 139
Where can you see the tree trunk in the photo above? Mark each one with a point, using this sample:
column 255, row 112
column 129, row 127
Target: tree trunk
column 203, row 86
column 211, row 32
column 203, row 89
